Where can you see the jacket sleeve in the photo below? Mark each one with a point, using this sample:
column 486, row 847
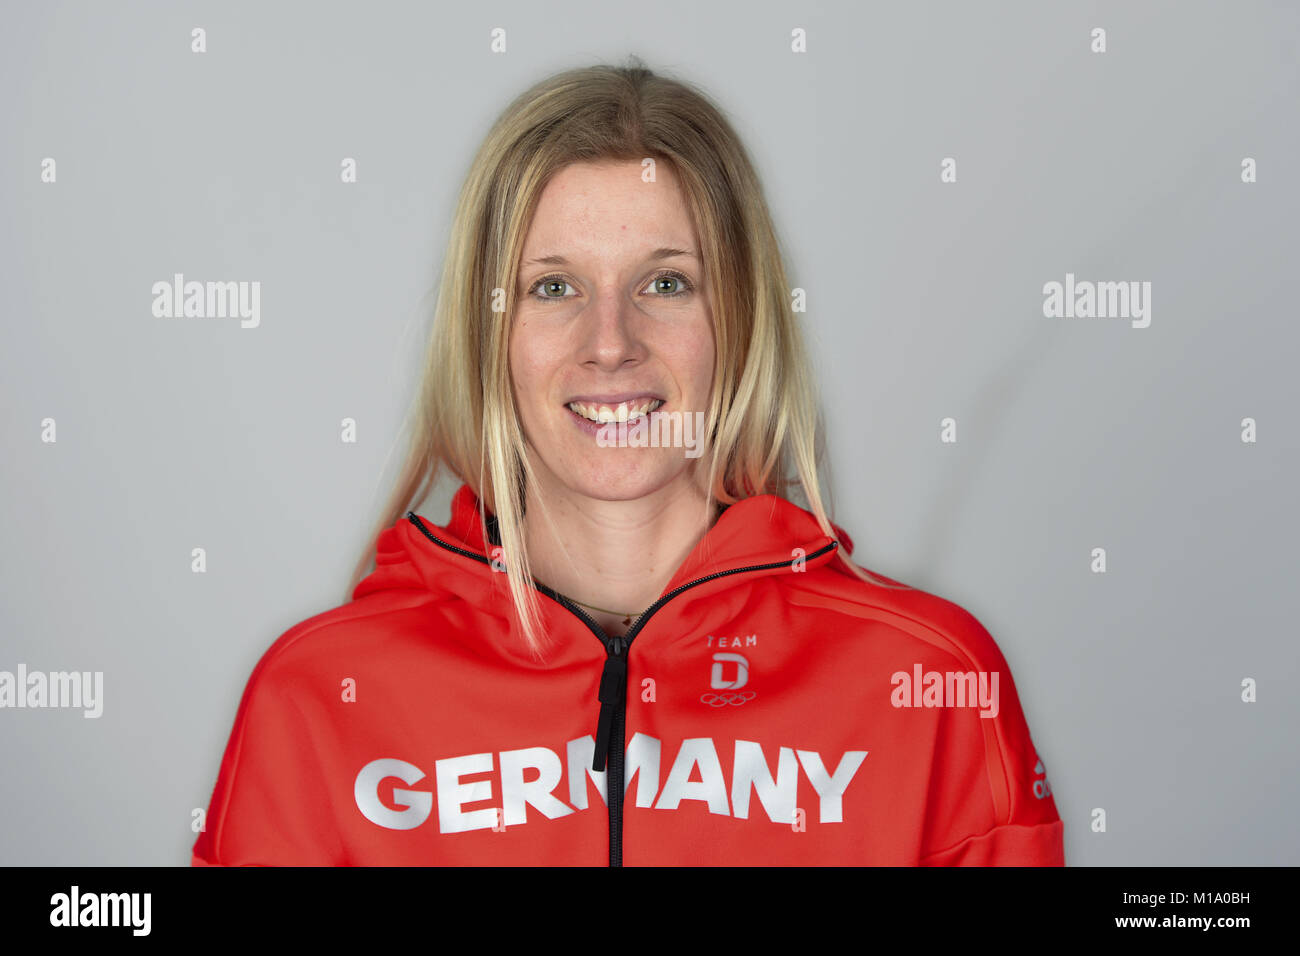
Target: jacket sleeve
column 989, row 801
column 268, row 807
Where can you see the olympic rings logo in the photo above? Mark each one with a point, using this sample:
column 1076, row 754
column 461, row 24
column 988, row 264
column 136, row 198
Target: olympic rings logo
column 721, row 700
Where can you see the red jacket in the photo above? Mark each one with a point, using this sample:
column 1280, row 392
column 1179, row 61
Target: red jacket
column 769, row 708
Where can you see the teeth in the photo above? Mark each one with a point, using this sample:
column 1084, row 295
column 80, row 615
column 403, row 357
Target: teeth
column 622, row 413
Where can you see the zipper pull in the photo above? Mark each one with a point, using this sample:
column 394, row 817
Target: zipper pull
column 611, row 695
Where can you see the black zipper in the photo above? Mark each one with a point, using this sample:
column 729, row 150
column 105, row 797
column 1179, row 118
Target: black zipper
column 610, row 725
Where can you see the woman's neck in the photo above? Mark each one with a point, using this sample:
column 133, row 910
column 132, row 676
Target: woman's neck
column 615, row 555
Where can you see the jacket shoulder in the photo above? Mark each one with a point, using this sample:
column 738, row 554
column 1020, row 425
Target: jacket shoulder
column 911, row 613
column 322, row 635
column 913, row 637
column 274, row 745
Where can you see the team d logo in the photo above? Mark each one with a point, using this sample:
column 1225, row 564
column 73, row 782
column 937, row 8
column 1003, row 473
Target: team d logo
column 729, row 674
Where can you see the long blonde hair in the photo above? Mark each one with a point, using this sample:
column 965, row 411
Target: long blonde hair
column 763, row 421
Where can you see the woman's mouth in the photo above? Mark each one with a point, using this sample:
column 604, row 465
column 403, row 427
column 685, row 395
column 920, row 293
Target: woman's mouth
column 591, row 417
column 622, row 412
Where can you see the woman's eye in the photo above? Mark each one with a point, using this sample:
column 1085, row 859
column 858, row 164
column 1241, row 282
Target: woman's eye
column 552, row 288
column 670, row 284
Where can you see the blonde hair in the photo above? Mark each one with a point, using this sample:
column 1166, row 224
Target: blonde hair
column 763, row 420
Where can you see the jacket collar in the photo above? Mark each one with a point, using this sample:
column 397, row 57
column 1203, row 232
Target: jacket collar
column 760, row 535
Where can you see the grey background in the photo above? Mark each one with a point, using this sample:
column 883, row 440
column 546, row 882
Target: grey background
column 924, row 301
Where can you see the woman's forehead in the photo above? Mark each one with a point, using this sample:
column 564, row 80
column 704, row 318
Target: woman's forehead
column 608, row 206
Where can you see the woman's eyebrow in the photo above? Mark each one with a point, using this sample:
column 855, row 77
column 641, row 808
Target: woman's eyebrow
column 663, row 252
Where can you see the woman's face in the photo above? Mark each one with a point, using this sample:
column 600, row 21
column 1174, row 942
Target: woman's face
column 614, row 316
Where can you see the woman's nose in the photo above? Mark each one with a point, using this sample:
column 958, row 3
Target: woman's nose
column 608, row 330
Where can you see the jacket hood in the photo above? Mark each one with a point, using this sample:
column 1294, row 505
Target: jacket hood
column 761, row 530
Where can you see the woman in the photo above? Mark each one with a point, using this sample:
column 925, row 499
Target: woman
column 627, row 645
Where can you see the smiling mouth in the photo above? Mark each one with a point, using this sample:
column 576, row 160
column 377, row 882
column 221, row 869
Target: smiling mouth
column 622, row 412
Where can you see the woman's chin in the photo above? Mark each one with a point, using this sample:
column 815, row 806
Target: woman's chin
column 608, row 479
